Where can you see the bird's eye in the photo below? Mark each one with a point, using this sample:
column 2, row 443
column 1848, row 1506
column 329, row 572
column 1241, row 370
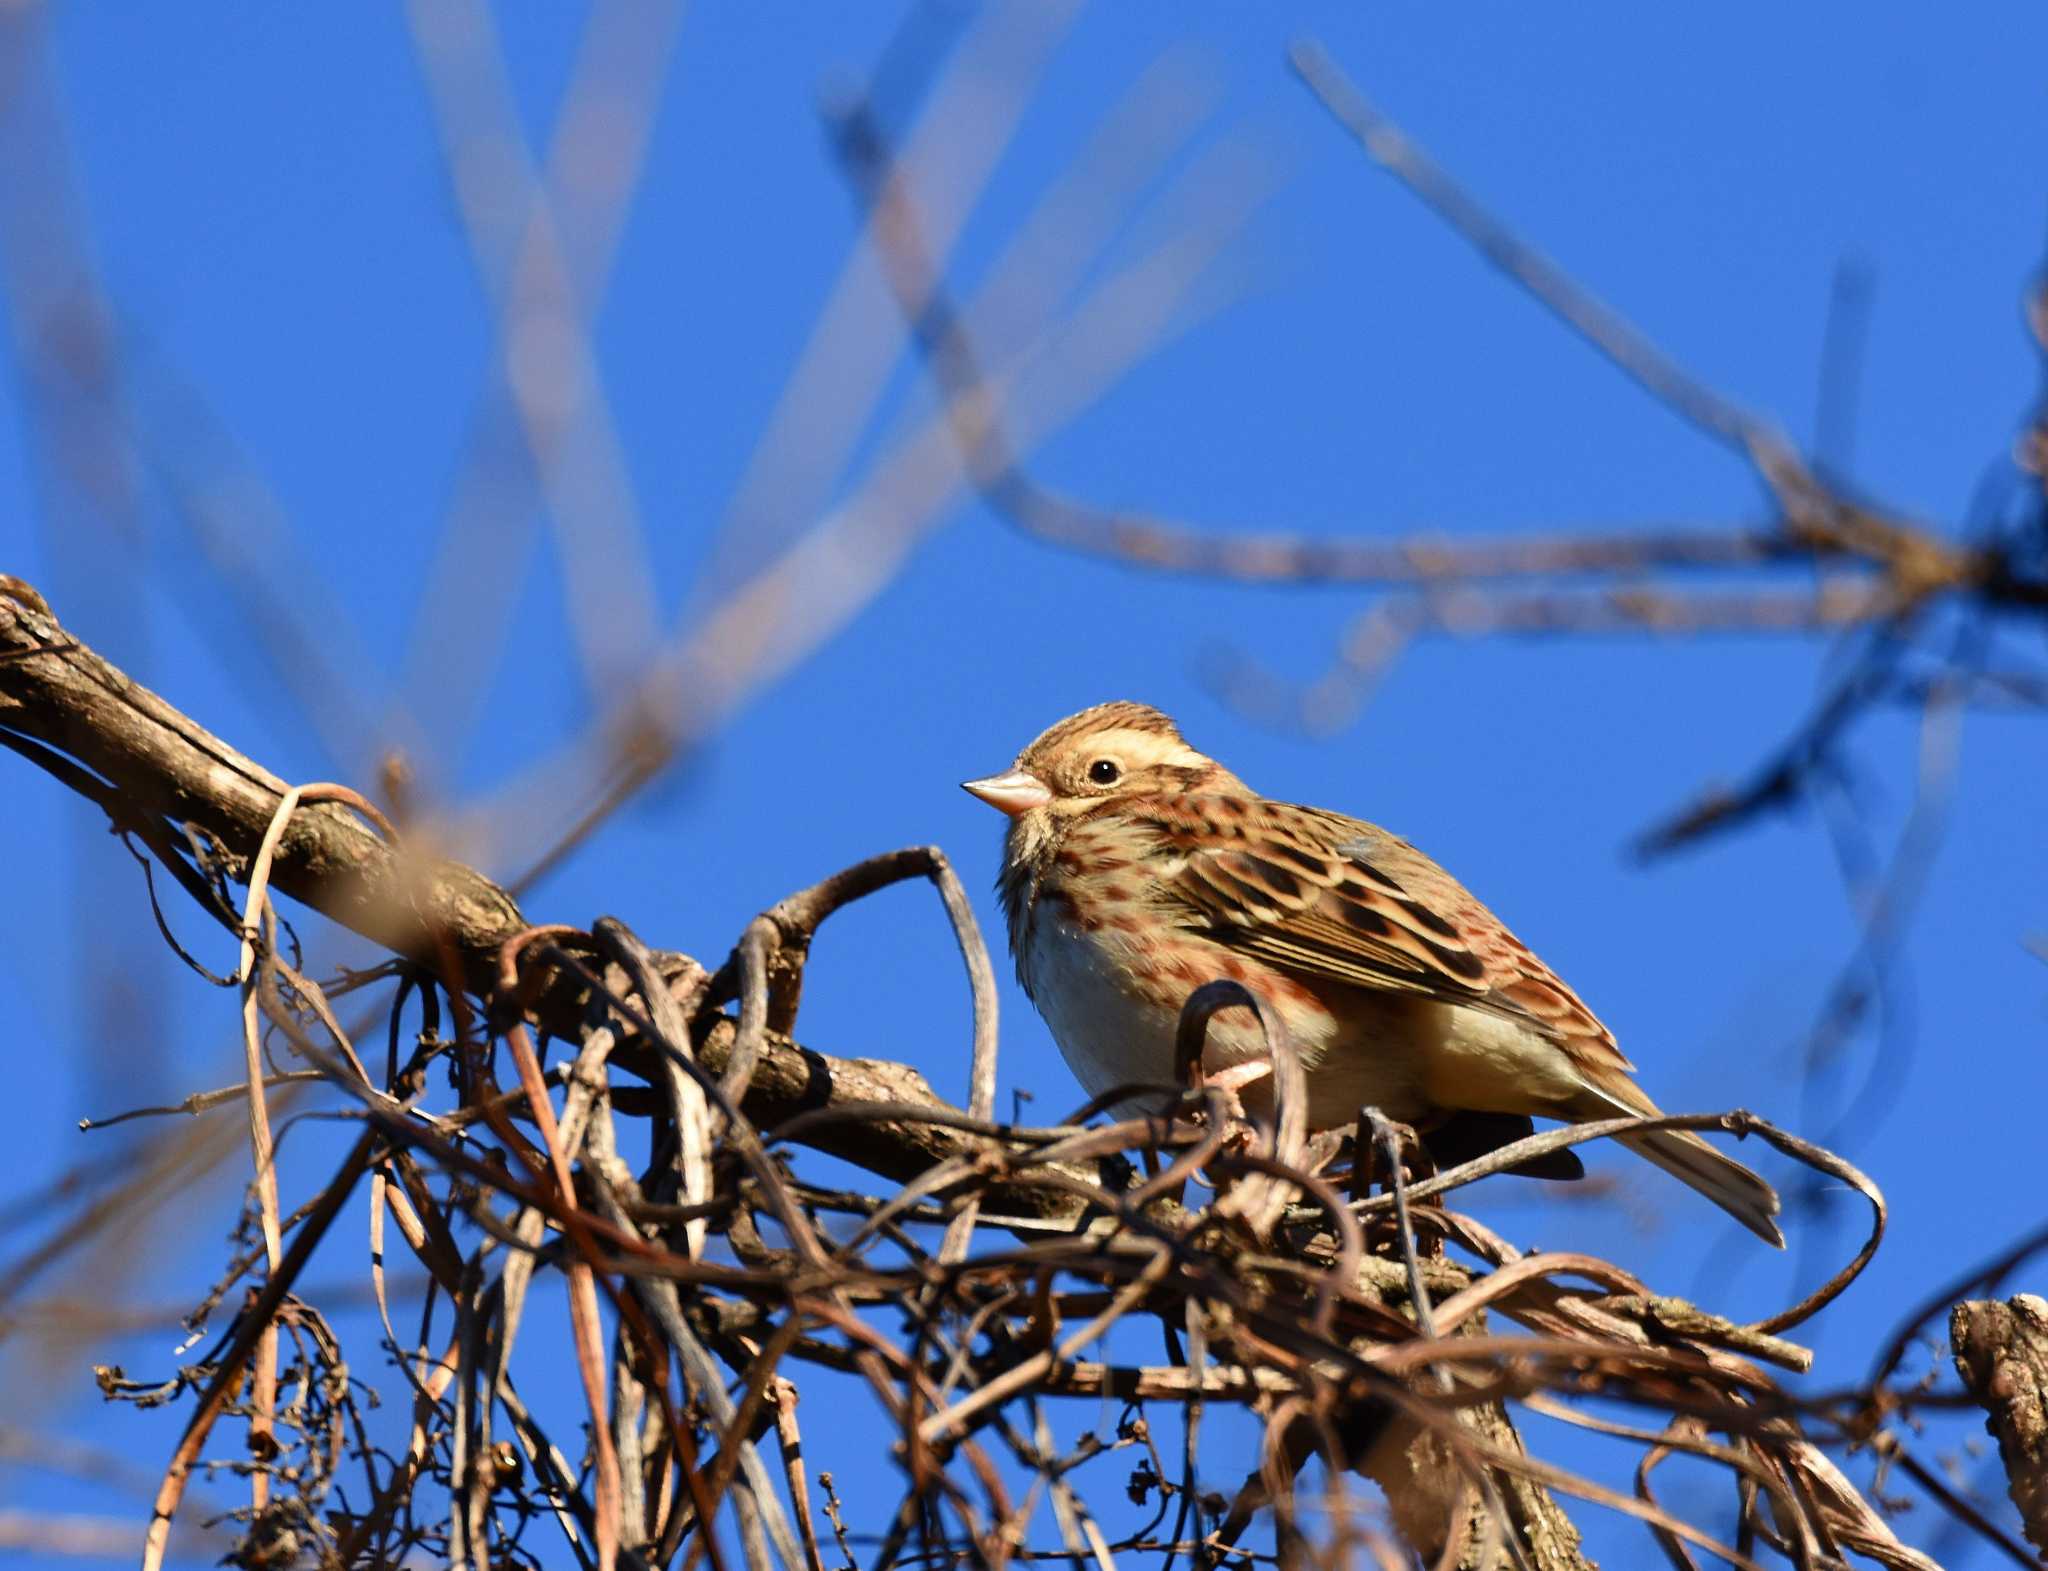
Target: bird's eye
column 1104, row 771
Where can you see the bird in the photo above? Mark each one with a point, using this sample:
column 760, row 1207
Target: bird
column 1135, row 869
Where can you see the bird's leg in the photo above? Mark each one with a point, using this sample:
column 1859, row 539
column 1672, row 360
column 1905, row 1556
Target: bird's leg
column 1238, row 1076
column 1411, row 1162
column 1416, row 1156
column 1232, row 1081
column 1409, row 1151
column 1421, row 1164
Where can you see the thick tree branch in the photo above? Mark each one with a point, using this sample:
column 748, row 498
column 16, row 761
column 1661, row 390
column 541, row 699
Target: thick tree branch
column 161, row 764
column 59, row 692
column 2001, row 1353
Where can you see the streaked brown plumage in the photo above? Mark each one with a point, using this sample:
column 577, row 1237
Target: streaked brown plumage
column 1135, row 869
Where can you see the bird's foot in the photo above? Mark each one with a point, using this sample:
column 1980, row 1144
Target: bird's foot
column 1238, row 1076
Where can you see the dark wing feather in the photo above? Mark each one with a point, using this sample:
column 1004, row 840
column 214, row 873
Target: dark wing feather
column 1464, row 1137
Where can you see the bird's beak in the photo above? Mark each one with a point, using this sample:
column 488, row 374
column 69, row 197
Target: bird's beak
column 1010, row 794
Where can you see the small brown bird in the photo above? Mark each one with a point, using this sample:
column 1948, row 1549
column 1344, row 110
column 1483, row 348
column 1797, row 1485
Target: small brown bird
column 1135, row 869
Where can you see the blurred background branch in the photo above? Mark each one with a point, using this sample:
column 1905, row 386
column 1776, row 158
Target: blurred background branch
column 459, row 436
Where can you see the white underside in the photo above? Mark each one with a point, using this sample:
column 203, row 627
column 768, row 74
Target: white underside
column 1408, row 1057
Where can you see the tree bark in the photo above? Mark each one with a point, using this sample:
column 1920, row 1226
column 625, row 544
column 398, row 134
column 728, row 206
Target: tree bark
column 2001, row 1352
column 1427, row 1495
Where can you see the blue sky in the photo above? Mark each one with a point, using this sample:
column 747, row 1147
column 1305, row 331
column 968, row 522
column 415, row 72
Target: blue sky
column 303, row 333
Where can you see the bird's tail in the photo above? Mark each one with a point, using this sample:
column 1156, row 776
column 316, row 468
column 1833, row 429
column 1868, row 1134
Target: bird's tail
column 1690, row 1160
column 1723, row 1180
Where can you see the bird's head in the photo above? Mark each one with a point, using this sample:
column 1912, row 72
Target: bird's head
column 1113, row 750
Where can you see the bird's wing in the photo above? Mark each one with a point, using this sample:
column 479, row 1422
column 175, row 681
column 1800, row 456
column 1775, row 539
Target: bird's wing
column 1335, row 899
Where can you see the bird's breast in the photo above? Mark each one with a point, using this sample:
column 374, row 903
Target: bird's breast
column 1112, row 994
column 1091, row 986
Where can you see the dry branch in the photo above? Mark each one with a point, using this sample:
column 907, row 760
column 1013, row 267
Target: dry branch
column 2001, row 1353
column 163, row 767
column 1334, row 1319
